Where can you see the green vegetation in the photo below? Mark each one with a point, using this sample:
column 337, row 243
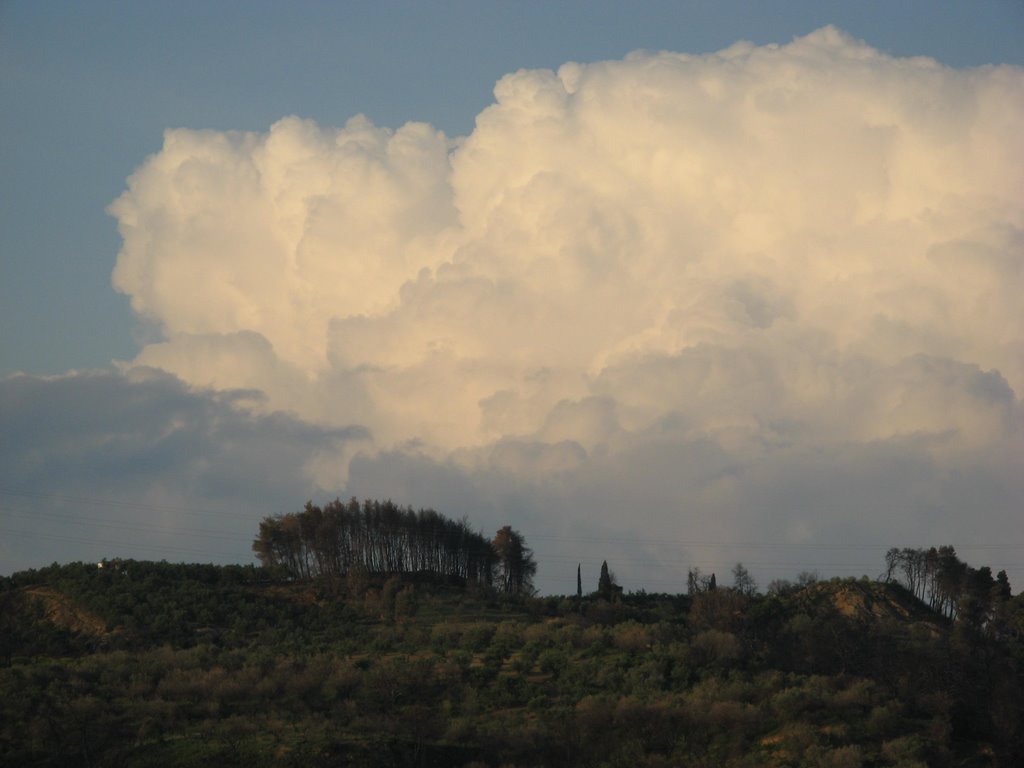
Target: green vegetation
column 156, row 664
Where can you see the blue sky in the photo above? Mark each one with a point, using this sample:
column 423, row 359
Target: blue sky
column 753, row 302
column 88, row 89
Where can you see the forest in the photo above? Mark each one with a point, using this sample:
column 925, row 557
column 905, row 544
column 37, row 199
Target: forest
column 366, row 638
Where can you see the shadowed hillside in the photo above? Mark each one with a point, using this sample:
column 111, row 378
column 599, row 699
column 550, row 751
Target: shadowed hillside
column 160, row 664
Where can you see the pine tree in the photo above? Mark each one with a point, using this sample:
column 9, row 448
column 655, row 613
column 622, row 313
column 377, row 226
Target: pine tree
column 516, row 566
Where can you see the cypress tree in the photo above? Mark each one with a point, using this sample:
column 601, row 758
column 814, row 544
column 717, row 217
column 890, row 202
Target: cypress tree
column 604, row 582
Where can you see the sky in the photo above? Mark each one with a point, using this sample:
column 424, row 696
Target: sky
column 670, row 285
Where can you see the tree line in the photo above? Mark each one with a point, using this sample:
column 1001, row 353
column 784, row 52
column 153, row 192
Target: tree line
column 383, row 538
column 945, row 583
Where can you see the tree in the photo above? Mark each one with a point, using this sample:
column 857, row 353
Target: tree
column 1001, row 590
column 604, row 581
column 742, row 581
column 976, row 595
column 579, row 583
column 780, row 586
column 892, row 561
column 606, row 586
column 379, row 537
column 807, row 578
column 696, row 582
column 516, row 566
column 949, row 580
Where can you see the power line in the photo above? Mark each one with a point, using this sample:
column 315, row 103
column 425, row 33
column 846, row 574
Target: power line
column 141, row 526
column 85, row 520
column 113, row 544
column 696, row 543
column 745, row 545
column 120, row 504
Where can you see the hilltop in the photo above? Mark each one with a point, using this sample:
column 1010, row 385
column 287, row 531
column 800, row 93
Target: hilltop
column 160, row 664
column 870, row 601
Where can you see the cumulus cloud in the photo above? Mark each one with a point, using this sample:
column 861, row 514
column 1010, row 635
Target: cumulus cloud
column 741, row 259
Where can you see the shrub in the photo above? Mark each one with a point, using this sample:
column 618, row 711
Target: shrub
column 631, row 637
column 477, row 637
column 552, row 661
column 716, row 647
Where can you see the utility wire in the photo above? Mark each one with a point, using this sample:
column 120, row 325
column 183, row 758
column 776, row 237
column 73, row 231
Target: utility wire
column 143, row 506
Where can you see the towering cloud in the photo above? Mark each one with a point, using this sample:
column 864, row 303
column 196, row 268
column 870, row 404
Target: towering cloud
column 741, row 260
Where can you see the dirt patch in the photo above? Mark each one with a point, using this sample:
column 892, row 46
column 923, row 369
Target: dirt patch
column 59, row 609
column 876, row 601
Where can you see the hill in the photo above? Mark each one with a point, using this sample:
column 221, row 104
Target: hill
column 48, row 606
column 152, row 664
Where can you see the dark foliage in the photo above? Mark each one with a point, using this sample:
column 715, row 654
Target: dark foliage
column 378, row 537
column 156, row 664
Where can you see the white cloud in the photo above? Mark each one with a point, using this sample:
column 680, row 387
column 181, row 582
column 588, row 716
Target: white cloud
column 276, row 234
column 771, row 250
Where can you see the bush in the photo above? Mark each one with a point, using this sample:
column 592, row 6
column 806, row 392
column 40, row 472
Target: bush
column 552, row 661
column 715, row 647
column 631, row 637
column 477, row 637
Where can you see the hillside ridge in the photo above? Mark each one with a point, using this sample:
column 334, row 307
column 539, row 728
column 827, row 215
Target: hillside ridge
column 227, row 664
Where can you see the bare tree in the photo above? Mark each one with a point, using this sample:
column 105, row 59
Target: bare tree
column 742, row 581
